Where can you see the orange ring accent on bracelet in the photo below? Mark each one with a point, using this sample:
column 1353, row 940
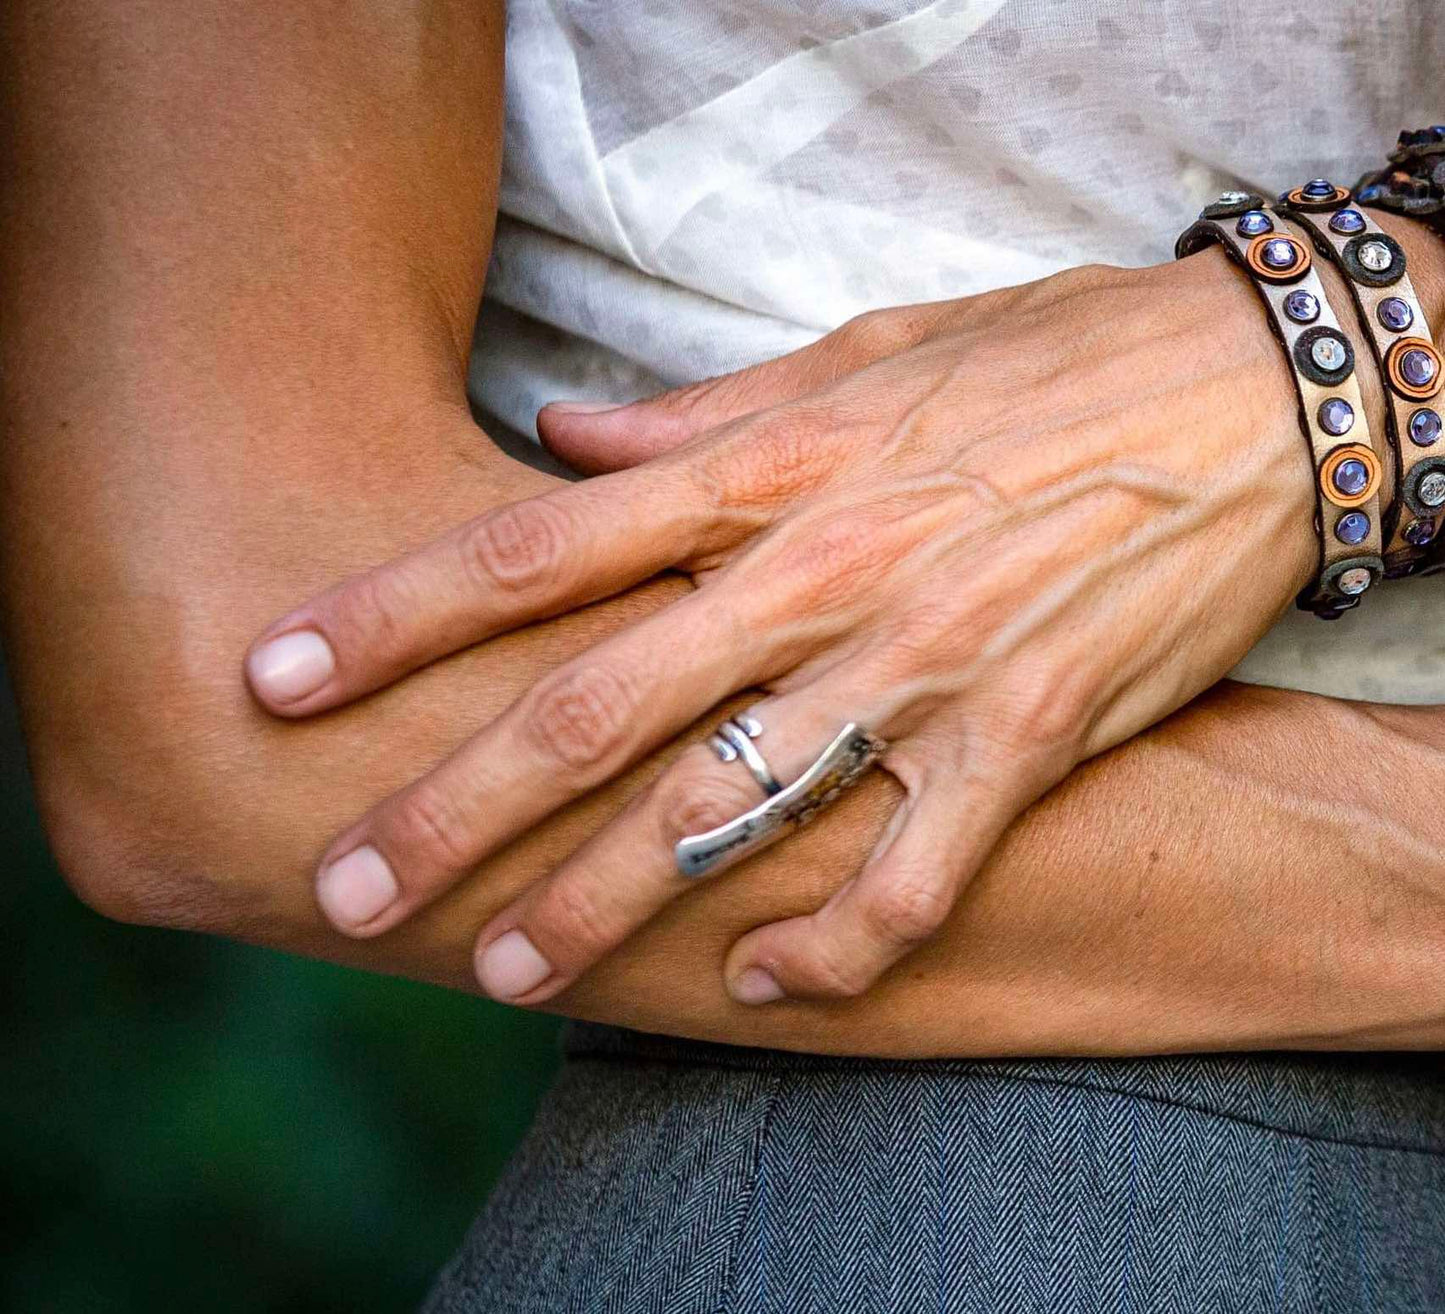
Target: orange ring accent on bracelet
column 1267, row 272
column 1392, row 368
column 1331, row 463
column 1298, row 197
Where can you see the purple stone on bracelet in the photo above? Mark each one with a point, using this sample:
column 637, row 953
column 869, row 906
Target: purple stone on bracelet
column 1347, row 221
column 1336, row 416
column 1352, row 527
column 1395, row 314
column 1278, row 254
column 1418, row 532
column 1254, row 222
column 1302, row 307
column 1425, row 426
column 1417, row 368
column 1351, row 478
column 1318, row 188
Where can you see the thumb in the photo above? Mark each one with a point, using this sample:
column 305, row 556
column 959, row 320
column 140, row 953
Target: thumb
column 597, row 439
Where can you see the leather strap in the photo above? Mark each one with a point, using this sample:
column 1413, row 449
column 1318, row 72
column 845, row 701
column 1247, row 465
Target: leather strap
column 1413, row 182
column 1395, row 324
column 1347, row 466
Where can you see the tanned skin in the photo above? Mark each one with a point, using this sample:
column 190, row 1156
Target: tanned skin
column 241, row 248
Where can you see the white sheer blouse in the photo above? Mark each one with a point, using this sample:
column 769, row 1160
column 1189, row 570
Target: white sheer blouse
column 694, row 185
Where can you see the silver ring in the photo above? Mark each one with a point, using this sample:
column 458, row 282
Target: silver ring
column 843, row 763
column 734, row 740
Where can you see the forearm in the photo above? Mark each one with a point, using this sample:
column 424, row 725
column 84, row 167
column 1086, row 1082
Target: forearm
column 229, row 381
column 1210, row 884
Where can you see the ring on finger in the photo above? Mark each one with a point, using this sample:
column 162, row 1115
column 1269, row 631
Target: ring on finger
column 734, row 740
column 845, row 761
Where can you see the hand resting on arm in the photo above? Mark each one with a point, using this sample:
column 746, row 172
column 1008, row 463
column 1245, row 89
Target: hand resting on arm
column 237, row 283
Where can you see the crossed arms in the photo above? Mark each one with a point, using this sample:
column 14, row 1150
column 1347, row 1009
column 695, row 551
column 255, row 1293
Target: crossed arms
column 241, row 254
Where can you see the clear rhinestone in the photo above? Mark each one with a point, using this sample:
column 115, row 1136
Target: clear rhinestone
column 1376, row 257
column 1354, row 581
column 1232, row 198
column 1328, row 353
column 1430, row 491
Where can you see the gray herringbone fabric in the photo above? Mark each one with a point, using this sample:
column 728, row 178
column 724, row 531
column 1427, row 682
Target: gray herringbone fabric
column 679, row 1178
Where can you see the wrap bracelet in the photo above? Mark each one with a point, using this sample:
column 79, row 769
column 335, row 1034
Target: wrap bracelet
column 1413, row 181
column 1347, row 469
column 1374, row 268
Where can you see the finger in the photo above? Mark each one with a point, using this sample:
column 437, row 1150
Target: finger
column 627, row 873
column 937, row 842
column 585, row 723
column 596, row 439
column 514, row 565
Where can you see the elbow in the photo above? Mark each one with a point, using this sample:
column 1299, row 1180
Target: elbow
column 111, row 858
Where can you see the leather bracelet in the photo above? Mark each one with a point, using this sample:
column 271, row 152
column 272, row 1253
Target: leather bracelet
column 1347, row 467
column 1413, row 182
column 1375, row 270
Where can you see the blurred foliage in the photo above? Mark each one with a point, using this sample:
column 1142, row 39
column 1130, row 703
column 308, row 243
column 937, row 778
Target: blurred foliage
column 188, row 1124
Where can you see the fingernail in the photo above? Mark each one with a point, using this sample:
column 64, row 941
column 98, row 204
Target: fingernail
column 582, row 407
column 756, row 986
column 356, row 888
column 511, row 966
column 292, row 666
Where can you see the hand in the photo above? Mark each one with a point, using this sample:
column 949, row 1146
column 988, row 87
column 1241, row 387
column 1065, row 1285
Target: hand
column 1005, row 533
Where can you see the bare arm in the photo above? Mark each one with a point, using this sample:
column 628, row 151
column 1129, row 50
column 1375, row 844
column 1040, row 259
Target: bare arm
column 242, row 246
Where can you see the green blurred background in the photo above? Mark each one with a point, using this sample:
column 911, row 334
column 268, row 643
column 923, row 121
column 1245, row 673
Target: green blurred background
column 188, row 1124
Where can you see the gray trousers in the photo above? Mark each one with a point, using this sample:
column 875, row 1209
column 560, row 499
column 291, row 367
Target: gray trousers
column 668, row 1176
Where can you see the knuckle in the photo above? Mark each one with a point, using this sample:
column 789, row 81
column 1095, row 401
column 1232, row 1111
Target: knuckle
column 573, row 922
column 831, row 976
column 580, row 717
column 1044, row 711
column 767, row 465
column 932, row 638
column 874, row 334
column 908, row 911
column 516, row 547
column 829, row 564
column 430, row 826
column 691, row 802
column 696, row 402
column 376, row 612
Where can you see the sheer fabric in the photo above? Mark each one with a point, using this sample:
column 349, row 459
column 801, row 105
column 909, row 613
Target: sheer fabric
column 693, row 186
